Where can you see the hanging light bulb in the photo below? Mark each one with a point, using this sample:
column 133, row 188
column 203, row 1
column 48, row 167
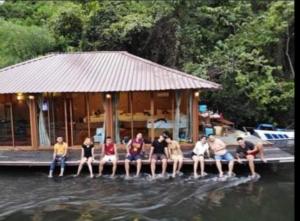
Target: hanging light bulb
column 20, row 96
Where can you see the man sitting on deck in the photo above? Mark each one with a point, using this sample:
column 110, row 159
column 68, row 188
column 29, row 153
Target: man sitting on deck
column 159, row 151
column 134, row 149
column 59, row 155
column 219, row 149
column 248, row 150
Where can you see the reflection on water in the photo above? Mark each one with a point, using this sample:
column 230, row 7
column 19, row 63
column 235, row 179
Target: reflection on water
column 32, row 196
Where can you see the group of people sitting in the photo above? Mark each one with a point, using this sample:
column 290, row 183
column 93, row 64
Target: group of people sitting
column 162, row 149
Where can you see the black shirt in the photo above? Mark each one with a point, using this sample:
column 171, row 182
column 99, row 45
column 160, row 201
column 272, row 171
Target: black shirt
column 248, row 146
column 87, row 149
column 159, row 147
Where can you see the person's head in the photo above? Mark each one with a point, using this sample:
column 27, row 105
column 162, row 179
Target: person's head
column 139, row 136
column 166, row 134
column 87, row 141
column 211, row 138
column 168, row 139
column 59, row 139
column 240, row 141
column 203, row 139
column 108, row 140
column 161, row 138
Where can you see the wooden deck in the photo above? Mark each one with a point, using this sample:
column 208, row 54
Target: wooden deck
column 273, row 155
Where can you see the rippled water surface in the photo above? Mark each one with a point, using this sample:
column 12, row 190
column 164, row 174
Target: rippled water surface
column 30, row 195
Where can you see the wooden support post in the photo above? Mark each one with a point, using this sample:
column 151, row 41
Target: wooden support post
column 109, row 116
column 87, row 104
column 71, row 121
column 131, row 112
column 195, row 118
column 12, row 122
column 66, row 119
column 33, row 123
column 48, row 116
column 152, row 115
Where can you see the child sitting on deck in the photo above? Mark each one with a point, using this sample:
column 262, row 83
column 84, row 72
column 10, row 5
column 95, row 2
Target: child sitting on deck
column 59, row 155
column 109, row 154
column 87, row 156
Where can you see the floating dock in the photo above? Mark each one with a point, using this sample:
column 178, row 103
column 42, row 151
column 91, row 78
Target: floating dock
column 273, row 155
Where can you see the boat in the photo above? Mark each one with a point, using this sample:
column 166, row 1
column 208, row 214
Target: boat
column 278, row 136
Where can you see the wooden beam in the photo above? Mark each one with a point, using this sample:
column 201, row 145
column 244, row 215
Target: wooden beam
column 109, row 116
column 66, row 119
column 33, row 123
column 87, row 104
column 12, row 121
column 71, row 121
column 48, row 116
column 131, row 112
column 152, row 115
column 195, row 118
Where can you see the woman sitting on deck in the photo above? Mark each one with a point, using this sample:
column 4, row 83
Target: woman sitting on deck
column 109, row 151
column 175, row 154
column 87, row 156
column 199, row 150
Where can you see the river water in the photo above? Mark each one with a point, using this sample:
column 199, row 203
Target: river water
column 30, row 195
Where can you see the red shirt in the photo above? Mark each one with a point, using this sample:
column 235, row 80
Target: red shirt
column 109, row 149
column 136, row 146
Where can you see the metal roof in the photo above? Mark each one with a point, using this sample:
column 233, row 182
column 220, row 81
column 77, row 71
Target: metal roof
column 103, row 71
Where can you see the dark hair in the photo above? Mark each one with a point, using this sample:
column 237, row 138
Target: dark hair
column 108, row 137
column 166, row 134
column 239, row 138
column 202, row 136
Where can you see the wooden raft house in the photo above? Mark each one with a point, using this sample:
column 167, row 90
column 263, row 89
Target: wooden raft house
column 95, row 94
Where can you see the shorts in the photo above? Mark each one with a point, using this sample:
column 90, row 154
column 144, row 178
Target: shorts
column 176, row 157
column 157, row 156
column 254, row 153
column 227, row 156
column 132, row 157
column 109, row 158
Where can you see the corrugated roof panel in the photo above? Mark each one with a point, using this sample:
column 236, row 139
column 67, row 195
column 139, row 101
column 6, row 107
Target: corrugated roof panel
column 95, row 72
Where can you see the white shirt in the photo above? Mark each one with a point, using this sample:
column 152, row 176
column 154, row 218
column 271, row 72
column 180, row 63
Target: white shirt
column 200, row 148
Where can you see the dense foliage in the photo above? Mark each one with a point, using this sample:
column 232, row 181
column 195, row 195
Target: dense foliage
column 247, row 46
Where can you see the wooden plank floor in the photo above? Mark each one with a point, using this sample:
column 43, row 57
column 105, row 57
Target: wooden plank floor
column 43, row 158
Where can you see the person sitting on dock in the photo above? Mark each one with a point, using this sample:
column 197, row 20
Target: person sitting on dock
column 248, row 150
column 221, row 153
column 87, row 156
column 175, row 154
column 59, row 155
column 134, row 149
column 109, row 154
column 199, row 150
column 158, row 151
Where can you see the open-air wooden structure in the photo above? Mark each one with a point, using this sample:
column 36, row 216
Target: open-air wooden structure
column 96, row 94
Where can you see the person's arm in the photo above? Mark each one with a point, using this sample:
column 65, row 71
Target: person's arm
column 102, row 150
column 237, row 155
column 66, row 150
column 151, row 152
column 93, row 156
column 207, row 151
column 116, row 151
column 127, row 147
column 167, row 152
column 82, row 152
column 54, row 153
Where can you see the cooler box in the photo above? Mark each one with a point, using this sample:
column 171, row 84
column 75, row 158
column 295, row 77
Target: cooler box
column 208, row 131
column 202, row 108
